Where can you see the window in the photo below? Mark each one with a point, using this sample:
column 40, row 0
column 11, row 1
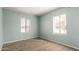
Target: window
column 59, row 24
column 22, row 24
column 28, row 25
column 25, row 25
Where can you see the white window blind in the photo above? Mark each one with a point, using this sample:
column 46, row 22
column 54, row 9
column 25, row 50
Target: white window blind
column 28, row 23
column 59, row 24
column 25, row 25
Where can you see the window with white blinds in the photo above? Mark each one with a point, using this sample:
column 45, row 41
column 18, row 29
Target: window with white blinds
column 59, row 24
column 25, row 25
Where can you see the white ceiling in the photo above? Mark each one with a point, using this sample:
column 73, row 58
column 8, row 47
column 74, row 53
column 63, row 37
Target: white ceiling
column 32, row 10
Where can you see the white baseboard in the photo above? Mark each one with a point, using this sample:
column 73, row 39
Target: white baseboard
column 60, row 43
column 19, row 39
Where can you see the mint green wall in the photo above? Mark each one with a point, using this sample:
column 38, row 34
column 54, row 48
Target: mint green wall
column 72, row 37
column 1, row 32
column 11, row 25
column 38, row 26
column 42, row 26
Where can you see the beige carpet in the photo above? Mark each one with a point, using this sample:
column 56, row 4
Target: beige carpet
column 36, row 44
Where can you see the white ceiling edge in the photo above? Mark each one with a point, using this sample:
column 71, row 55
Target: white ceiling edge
column 32, row 10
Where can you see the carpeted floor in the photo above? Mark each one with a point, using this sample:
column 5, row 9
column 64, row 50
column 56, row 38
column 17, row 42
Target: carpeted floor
column 36, row 44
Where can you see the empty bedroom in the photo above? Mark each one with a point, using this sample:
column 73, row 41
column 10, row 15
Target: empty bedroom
column 39, row 28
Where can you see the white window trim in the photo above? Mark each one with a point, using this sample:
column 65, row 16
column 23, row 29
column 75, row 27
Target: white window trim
column 59, row 20
column 25, row 25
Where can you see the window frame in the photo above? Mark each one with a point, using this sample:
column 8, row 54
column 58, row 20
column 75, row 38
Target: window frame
column 25, row 25
column 59, row 22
